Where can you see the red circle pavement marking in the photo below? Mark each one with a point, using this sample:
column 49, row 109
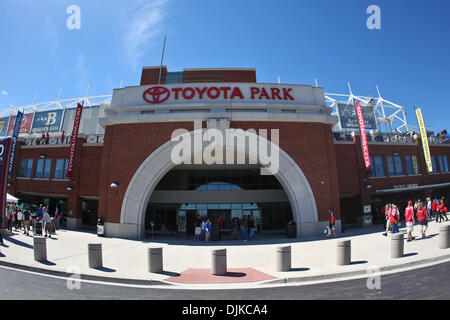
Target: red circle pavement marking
column 238, row 275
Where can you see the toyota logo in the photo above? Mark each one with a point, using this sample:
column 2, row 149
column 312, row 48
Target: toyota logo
column 156, row 94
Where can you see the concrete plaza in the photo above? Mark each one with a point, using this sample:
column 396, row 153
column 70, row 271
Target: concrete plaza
column 251, row 264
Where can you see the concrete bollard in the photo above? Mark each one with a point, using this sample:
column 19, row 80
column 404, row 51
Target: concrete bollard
column 344, row 252
column 397, row 245
column 444, row 237
column 155, row 259
column 219, row 262
column 95, row 255
column 40, row 249
column 283, row 258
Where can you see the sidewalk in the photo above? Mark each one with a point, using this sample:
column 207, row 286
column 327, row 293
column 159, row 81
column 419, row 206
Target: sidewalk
column 187, row 263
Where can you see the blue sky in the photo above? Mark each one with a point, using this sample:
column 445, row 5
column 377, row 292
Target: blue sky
column 409, row 58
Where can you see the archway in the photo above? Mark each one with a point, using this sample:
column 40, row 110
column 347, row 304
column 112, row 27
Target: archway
column 153, row 169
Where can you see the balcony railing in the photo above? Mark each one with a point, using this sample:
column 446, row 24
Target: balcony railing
column 388, row 138
column 91, row 138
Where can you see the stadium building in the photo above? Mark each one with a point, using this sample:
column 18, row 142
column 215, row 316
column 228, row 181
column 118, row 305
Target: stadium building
column 299, row 150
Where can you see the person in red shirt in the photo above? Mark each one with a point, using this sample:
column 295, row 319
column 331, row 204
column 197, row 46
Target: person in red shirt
column 332, row 222
column 441, row 211
column 409, row 217
column 63, row 137
column 387, row 214
column 433, row 209
column 423, row 219
column 394, row 219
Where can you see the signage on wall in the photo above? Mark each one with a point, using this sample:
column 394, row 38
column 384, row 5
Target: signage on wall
column 4, row 126
column 160, row 94
column 349, row 118
column 25, row 124
column 406, row 186
column 47, row 121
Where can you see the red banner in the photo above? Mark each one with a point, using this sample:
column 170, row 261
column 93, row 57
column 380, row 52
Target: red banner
column 5, row 146
column 25, row 124
column 73, row 139
column 362, row 130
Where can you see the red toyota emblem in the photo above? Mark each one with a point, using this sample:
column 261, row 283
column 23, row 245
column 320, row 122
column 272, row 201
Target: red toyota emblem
column 156, row 94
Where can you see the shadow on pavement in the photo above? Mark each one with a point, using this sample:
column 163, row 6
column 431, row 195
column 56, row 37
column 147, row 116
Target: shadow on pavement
column 234, row 274
column 48, row 263
column 298, row 269
column 18, row 242
column 410, row 254
column 105, row 269
column 358, row 262
column 169, row 273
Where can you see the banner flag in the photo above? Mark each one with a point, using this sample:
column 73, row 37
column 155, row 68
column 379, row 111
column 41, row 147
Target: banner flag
column 363, row 132
column 15, row 135
column 423, row 135
column 4, row 162
column 73, row 139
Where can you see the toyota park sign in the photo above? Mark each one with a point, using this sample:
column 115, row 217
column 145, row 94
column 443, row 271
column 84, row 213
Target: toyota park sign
column 160, row 94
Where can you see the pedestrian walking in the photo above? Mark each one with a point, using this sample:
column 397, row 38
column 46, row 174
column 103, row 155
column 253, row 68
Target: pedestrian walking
column 57, row 218
column 243, row 226
column 63, row 137
column 423, row 220
column 409, row 217
column 434, row 204
column 235, row 227
column 47, row 220
column 19, row 219
column 394, row 220
column 207, row 230
column 26, row 221
column 202, row 235
column 442, row 211
column 198, row 227
column 387, row 214
column 429, row 206
column 251, row 228
column 332, row 222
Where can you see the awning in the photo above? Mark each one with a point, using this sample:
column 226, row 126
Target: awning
column 11, row 198
column 430, row 186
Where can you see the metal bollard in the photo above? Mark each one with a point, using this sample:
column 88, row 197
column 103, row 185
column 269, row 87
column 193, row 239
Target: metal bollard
column 397, row 245
column 283, row 258
column 40, row 249
column 219, row 262
column 155, row 260
column 344, row 252
column 95, row 255
column 444, row 237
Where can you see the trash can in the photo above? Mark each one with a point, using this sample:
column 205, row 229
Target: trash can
column 37, row 228
column 291, row 230
column 100, row 227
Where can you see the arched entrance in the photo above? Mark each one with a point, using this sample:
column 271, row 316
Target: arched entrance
column 155, row 167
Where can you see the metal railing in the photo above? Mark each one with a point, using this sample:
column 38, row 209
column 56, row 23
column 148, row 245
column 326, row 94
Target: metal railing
column 91, row 138
column 387, row 138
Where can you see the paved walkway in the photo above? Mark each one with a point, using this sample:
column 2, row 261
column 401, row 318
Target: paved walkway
column 187, row 263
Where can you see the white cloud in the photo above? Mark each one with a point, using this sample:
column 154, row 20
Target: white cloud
column 4, row 93
column 145, row 23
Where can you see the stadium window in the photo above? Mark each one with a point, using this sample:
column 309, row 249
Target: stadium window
column 61, row 168
column 443, row 163
column 43, row 168
column 377, row 166
column 433, row 162
column 395, row 166
column 412, row 164
column 25, row 167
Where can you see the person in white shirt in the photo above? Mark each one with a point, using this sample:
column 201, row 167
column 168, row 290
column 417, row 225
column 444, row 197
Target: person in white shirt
column 47, row 220
column 19, row 219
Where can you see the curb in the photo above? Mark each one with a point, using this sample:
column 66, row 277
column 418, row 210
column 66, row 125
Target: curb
column 85, row 276
column 337, row 276
column 280, row 281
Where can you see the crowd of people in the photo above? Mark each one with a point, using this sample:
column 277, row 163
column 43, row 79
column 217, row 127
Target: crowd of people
column 23, row 219
column 418, row 212
column 244, row 228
